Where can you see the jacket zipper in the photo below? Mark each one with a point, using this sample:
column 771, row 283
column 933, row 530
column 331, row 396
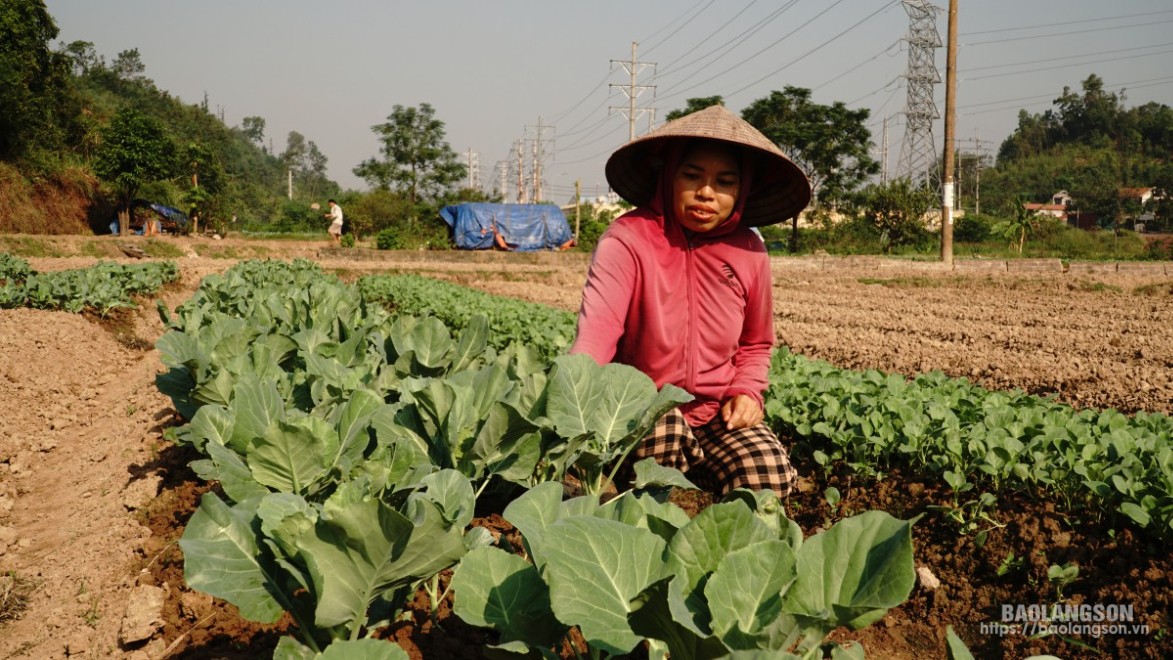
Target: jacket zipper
column 690, row 324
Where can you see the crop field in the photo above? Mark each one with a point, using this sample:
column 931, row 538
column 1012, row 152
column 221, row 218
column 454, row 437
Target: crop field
column 393, row 457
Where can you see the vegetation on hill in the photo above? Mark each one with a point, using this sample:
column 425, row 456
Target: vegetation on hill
column 1092, row 146
column 83, row 138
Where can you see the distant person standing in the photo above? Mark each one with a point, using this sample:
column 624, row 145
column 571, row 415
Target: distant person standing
column 335, row 216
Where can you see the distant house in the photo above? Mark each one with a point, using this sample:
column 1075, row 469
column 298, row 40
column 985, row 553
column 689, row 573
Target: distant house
column 1062, row 204
column 1142, row 195
column 1049, row 210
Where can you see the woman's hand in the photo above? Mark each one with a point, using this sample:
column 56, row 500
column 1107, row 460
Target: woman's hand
column 741, row 412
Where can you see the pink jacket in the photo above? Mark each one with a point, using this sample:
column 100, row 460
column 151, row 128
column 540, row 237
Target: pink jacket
column 695, row 311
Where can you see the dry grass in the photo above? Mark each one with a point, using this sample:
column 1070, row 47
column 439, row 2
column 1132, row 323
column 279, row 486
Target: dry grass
column 14, row 595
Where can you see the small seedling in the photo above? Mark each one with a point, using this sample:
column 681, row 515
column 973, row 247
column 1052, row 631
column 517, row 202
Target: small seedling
column 1062, row 576
column 1009, row 563
column 833, row 497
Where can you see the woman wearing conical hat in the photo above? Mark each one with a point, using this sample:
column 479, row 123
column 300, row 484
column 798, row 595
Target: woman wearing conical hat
column 680, row 288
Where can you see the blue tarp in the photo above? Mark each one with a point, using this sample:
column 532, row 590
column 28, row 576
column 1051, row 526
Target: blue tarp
column 521, row 227
column 174, row 215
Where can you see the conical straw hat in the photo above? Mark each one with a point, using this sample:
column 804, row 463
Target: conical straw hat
column 780, row 189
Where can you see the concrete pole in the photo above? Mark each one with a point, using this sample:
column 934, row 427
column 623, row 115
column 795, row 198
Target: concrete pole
column 950, row 119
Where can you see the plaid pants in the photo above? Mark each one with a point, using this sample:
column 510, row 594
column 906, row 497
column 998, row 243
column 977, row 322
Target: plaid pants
column 717, row 459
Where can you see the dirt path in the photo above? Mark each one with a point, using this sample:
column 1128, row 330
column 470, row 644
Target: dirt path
column 81, row 423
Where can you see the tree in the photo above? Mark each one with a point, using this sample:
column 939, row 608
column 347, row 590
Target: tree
column 307, row 164
column 693, row 105
column 135, row 150
column 1092, row 117
column 254, row 129
column 1018, row 222
column 416, row 159
column 295, row 149
column 206, row 177
column 129, row 66
column 1031, row 138
column 896, row 210
column 83, row 57
column 829, row 142
column 34, row 80
column 313, row 171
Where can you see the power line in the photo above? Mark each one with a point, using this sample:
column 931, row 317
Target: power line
column 1068, row 57
column 1063, row 34
column 877, row 91
column 691, row 16
column 1086, row 20
column 733, row 43
column 593, row 128
column 690, row 11
column 857, row 66
column 578, row 105
column 817, row 48
column 775, row 43
column 1065, row 66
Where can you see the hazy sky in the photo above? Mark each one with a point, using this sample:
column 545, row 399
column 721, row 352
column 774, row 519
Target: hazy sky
column 495, row 71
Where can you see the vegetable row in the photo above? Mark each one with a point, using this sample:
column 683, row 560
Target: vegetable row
column 352, row 447
column 101, row 288
column 1100, row 461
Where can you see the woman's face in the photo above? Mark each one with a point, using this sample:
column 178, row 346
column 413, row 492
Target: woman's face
column 705, row 188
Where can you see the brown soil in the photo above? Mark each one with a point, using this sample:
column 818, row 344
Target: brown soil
column 92, row 498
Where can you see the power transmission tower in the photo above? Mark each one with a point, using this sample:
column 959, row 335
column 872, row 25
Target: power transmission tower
column 918, row 155
column 884, row 155
column 538, row 157
column 632, row 90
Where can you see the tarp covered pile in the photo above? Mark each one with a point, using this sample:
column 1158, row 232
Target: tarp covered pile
column 520, row 227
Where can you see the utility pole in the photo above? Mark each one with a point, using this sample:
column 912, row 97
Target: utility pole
column 632, row 90
column 884, row 155
column 474, row 170
column 577, row 201
column 950, row 119
column 538, row 157
column 979, row 162
column 520, row 174
column 502, row 177
column 289, row 179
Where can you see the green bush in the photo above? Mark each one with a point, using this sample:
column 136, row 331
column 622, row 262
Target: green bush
column 1159, row 249
column 377, row 210
column 298, row 216
column 390, row 239
column 348, row 241
column 419, row 236
column 973, row 228
column 592, row 223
